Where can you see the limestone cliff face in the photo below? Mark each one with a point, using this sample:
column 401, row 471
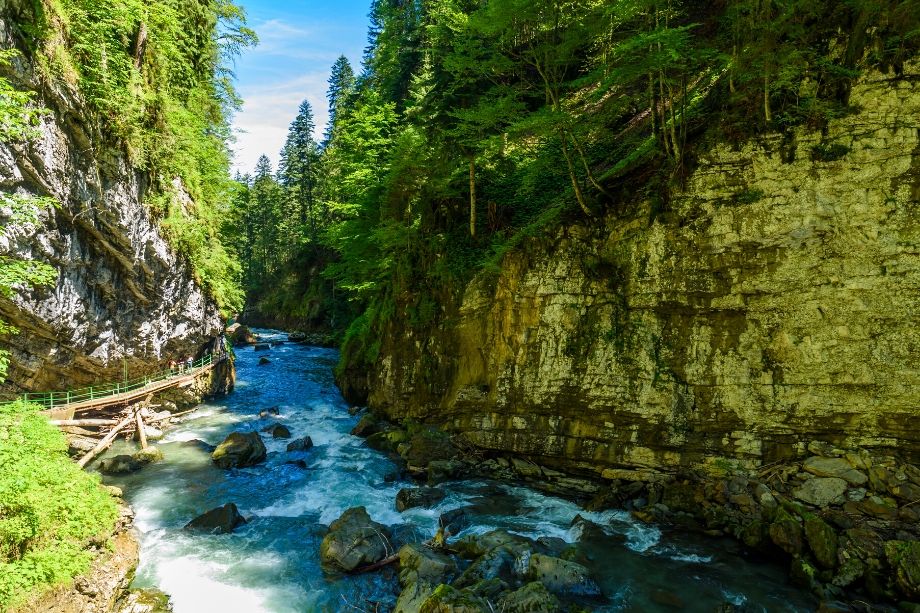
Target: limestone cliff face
column 122, row 292
column 775, row 302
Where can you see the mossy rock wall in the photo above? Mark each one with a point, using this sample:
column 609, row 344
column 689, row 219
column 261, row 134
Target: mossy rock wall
column 776, row 301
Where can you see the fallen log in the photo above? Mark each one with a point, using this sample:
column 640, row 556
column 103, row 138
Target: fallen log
column 83, row 422
column 171, row 416
column 140, row 428
column 105, row 442
column 377, row 565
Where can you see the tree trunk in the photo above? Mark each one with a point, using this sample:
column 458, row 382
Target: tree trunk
column 579, row 195
column 472, row 196
column 140, row 46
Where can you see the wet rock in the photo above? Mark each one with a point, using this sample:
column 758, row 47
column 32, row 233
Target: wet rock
column 239, row 450
column 241, row 335
column 440, row 471
column 786, row 532
column 301, row 444
column 261, row 347
column 387, row 441
column 149, row 455
column 355, row 540
column 222, row 520
column 427, row 445
column 297, row 337
column 448, row 599
column 119, row 465
column 821, row 491
column 455, row 520
column 354, row 410
column 412, row 597
column 264, row 361
column 419, row 563
column 822, row 539
column 366, row 426
column 876, row 506
column 269, row 412
column 276, row 343
column 498, row 563
column 532, row 598
column 908, row 492
column 835, row 467
column 298, row 463
column 904, row 558
column 561, row 576
column 585, row 530
column 425, row 497
column 475, row 545
column 146, row 600
column 277, row 431
column 199, row 444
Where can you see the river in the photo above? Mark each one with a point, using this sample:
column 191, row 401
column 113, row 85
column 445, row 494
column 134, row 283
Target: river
column 272, row 563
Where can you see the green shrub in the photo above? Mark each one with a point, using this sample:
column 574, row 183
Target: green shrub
column 49, row 507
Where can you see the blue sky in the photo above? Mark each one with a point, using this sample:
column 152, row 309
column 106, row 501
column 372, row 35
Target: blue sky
column 299, row 41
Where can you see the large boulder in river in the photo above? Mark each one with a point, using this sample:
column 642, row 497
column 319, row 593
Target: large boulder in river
column 425, row 497
column 355, row 540
column 241, row 335
column 222, row 520
column 239, row 450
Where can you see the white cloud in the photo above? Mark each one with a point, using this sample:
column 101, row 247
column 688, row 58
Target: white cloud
column 268, row 111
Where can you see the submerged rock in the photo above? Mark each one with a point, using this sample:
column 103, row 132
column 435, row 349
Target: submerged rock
column 301, row 444
column 199, row 444
column 119, row 465
column 269, row 412
column 355, row 540
column 277, row 431
column 239, row 450
column 222, row 520
column 425, row 497
column 261, row 347
column 264, row 361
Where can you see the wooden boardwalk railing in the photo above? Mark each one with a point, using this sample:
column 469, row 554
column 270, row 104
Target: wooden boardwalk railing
column 62, row 405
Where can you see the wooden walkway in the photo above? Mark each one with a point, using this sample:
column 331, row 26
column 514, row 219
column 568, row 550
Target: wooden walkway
column 184, row 380
column 64, row 405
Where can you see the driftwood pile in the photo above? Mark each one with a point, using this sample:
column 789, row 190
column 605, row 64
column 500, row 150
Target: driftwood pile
column 128, row 421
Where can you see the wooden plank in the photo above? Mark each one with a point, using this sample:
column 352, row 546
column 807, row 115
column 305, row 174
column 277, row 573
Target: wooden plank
column 84, row 422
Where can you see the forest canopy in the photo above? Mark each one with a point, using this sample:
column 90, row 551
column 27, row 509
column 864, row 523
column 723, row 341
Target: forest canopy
column 474, row 125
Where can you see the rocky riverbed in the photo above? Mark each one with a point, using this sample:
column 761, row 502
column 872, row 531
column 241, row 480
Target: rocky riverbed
column 299, row 506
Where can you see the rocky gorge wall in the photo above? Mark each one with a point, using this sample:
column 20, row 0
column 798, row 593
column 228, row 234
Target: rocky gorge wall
column 122, row 292
column 776, row 302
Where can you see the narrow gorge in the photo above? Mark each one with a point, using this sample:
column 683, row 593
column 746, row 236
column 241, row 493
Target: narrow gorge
column 539, row 306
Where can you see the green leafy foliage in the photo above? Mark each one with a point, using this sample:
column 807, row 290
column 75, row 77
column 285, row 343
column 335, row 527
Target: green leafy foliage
column 49, row 508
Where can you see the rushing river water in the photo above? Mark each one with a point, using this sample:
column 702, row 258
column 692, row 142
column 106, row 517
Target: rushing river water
column 272, row 563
